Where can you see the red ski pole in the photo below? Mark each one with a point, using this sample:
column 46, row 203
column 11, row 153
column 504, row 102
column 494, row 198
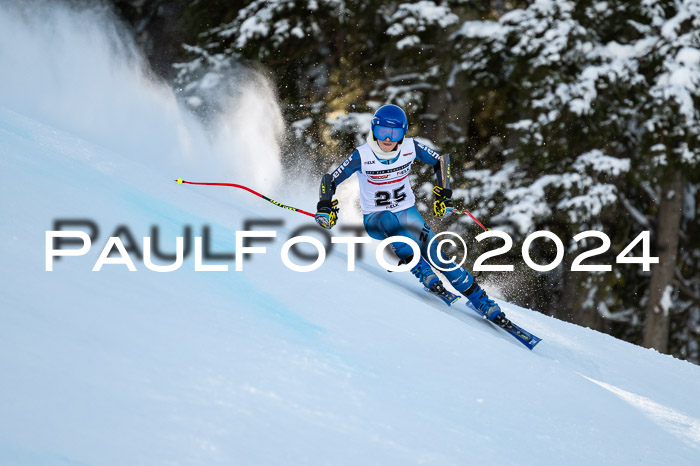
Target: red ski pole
column 231, row 185
column 472, row 217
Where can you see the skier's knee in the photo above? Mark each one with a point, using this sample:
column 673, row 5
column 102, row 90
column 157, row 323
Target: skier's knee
column 403, row 251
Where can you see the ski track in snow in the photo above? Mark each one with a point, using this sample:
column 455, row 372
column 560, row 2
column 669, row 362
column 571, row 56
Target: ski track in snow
column 682, row 426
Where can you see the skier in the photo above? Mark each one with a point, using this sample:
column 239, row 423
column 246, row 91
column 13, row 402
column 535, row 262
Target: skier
column 383, row 166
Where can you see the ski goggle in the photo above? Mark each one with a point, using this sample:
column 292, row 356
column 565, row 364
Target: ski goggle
column 383, row 132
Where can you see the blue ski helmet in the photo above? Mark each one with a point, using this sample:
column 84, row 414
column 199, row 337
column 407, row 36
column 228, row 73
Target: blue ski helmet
column 389, row 122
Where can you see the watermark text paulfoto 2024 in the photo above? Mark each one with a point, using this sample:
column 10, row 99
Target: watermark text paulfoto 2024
column 115, row 253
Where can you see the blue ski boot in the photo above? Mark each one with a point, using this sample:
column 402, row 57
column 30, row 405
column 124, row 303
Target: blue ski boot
column 430, row 281
column 483, row 304
column 425, row 274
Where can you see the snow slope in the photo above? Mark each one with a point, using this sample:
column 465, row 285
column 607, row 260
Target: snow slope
column 270, row 366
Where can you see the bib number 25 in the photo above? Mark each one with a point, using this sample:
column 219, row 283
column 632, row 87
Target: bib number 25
column 385, row 198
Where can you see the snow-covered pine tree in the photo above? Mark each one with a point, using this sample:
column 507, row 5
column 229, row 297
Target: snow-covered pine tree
column 669, row 151
column 592, row 89
column 314, row 51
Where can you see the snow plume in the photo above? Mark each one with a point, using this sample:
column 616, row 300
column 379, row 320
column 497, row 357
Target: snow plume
column 249, row 126
column 79, row 70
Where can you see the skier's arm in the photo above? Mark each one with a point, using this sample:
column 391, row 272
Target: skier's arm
column 327, row 208
column 442, row 207
column 340, row 174
column 440, row 163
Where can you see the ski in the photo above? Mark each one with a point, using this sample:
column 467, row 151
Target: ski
column 523, row 336
column 446, row 296
column 520, row 334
